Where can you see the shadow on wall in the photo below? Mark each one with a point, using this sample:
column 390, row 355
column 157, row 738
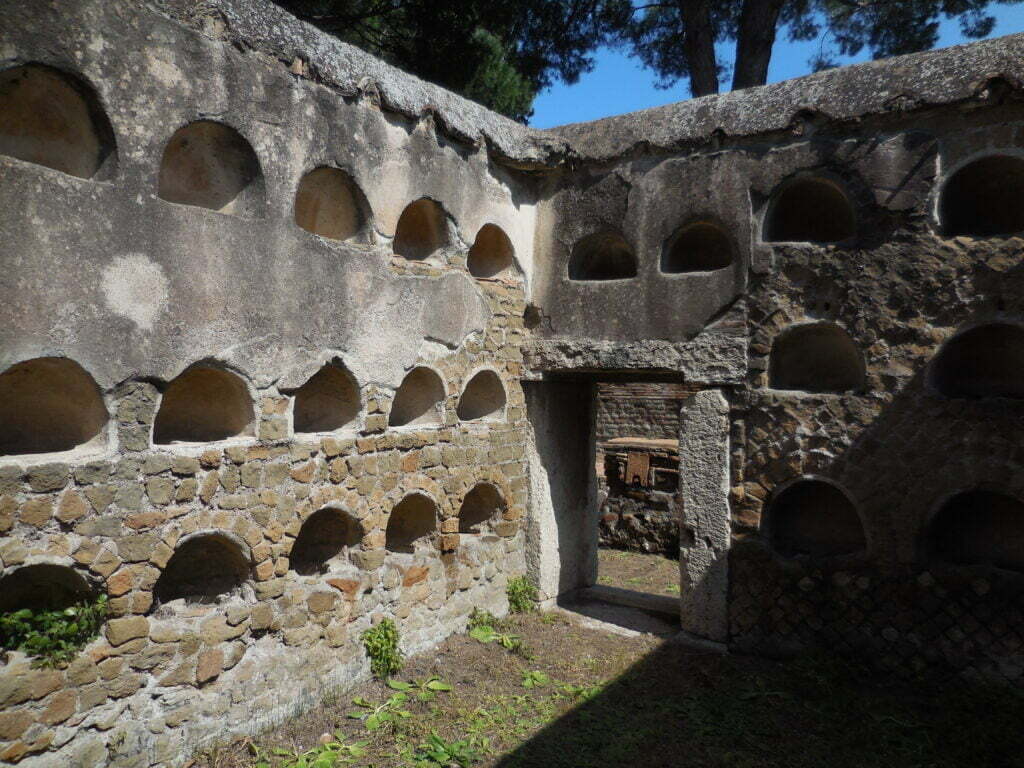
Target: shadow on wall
column 210, row 165
column 55, row 119
column 43, row 587
column 939, row 586
column 204, row 405
column 49, row 404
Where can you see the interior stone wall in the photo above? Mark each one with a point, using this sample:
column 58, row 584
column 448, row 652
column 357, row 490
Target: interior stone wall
column 135, row 286
column 105, row 266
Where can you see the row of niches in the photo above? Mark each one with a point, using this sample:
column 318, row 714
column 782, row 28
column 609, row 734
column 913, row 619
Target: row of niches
column 984, row 361
column 816, row 518
column 53, row 119
column 52, row 405
column 211, row 565
column 983, row 198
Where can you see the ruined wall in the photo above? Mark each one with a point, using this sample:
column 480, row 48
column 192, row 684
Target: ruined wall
column 847, row 227
column 268, row 308
column 639, row 409
column 259, row 368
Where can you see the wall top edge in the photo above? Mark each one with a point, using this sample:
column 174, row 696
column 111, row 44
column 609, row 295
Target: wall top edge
column 902, row 84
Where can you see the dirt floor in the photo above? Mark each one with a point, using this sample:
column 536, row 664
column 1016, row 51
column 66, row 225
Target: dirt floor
column 640, row 572
column 576, row 696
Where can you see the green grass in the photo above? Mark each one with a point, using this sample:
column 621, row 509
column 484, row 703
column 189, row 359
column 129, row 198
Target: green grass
column 672, row 707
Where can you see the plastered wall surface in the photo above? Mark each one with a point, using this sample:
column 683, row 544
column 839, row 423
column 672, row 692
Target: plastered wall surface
column 164, row 307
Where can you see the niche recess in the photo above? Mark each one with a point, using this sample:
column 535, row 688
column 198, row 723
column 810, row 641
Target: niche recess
column 987, row 361
column 697, row 247
column 419, row 400
column 43, row 587
column 810, row 209
column 482, row 507
column 327, row 534
column 817, row 357
column 492, row 253
column 979, row 527
column 210, row 165
column 422, row 230
column 813, row 517
column 203, row 405
column 483, row 398
column 602, row 256
column 51, row 118
column 49, row 404
column 202, row 568
column 412, row 522
column 328, row 203
column 327, row 402
column 984, row 198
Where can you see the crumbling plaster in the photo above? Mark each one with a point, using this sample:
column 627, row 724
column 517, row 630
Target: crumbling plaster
column 136, row 289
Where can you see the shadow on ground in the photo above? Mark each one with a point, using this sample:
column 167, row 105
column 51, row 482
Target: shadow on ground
column 680, row 707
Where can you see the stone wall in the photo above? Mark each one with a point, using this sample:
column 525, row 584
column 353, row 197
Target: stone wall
column 862, row 237
column 251, row 370
column 640, row 409
column 273, row 308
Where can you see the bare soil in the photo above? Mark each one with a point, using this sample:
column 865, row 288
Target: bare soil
column 605, row 699
column 655, row 574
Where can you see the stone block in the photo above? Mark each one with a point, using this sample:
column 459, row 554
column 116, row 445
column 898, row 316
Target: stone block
column 48, row 477
column 369, row 560
column 36, row 511
column 156, row 463
column 72, row 507
column 185, row 465
column 120, row 631
column 209, row 665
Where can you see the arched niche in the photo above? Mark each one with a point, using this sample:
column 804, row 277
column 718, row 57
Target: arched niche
column 482, row 507
column 816, row 357
column 815, row 518
column 43, row 587
column 203, row 567
column 412, row 523
column 202, row 405
column 979, row 527
column 210, row 165
column 483, row 398
column 422, row 230
column 701, row 246
column 984, row 198
column 986, row 361
column 492, row 254
column 810, row 209
column 328, row 401
column 602, row 256
column 49, row 404
column 326, row 535
column 330, row 204
column 418, row 400
column 55, row 119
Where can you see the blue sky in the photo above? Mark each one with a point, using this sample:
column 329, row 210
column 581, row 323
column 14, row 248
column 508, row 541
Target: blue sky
column 620, row 84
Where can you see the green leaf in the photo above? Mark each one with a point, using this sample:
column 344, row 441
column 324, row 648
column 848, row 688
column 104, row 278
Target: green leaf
column 483, row 633
column 398, row 685
column 438, row 685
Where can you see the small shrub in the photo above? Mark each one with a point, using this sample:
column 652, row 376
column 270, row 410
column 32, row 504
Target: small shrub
column 381, row 644
column 54, row 637
column 385, row 715
column 480, row 618
column 522, row 595
column 437, row 751
column 534, row 678
column 426, row 690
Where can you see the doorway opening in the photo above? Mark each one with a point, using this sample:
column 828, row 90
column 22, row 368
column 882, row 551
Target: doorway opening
column 605, row 511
